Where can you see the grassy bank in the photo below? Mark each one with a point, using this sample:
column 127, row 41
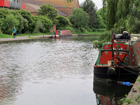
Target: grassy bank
column 34, row 34
column 5, row 36
column 37, row 34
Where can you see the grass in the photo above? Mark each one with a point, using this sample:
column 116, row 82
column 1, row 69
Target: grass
column 124, row 100
column 34, row 34
column 85, row 31
column 32, row 37
column 5, row 36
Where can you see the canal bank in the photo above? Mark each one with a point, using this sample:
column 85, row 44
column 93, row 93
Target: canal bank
column 23, row 38
column 29, row 38
column 133, row 97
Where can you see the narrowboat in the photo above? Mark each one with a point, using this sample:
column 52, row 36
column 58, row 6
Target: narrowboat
column 61, row 33
column 119, row 60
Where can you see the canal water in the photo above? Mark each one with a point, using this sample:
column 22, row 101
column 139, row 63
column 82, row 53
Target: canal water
column 53, row 72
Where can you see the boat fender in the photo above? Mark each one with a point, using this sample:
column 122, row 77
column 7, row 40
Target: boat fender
column 126, row 83
column 111, row 71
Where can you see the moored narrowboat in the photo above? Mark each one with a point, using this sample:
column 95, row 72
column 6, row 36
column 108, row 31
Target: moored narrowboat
column 61, row 33
column 119, row 59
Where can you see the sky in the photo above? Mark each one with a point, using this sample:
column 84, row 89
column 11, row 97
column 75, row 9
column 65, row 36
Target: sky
column 98, row 3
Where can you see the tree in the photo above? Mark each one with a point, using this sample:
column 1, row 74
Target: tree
column 9, row 23
column 47, row 10
column 79, row 18
column 47, row 23
column 102, row 13
column 100, row 22
column 62, row 21
column 4, row 13
column 31, row 21
column 89, row 7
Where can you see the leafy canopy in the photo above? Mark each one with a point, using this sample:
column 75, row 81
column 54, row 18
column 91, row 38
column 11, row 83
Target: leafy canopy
column 47, row 10
column 62, row 21
column 89, row 7
column 79, row 18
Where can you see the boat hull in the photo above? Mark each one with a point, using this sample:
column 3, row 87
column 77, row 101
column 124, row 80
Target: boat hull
column 120, row 74
column 61, row 36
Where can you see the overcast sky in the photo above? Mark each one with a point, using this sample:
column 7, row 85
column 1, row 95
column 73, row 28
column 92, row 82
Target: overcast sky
column 98, row 3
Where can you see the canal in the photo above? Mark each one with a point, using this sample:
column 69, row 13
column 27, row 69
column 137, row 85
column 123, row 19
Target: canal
column 53, row 72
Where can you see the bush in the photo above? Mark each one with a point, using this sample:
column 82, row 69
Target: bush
column 4, row 12
column 47, row 10
column 39, row 26
column 47, row 23
column 8, row 23
column 31, row 21
column 79, row 18
column 62, row 21
column 23, row 24
column 105, row 37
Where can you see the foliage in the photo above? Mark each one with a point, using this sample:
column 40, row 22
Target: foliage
column 47, row 23
column 8, row 23
column 39, row 26
column 23, row 23
column 122, row 13
column 47, row 10
column 124, row 100
column 111, row 12
column 89, row 7
column 31, row 21
column 4, row 13
column 137, row 98
column 105, row 37
column 62, row 21
column 100, row 22
column 138, row 80
column 102, row 12
column 79, row 18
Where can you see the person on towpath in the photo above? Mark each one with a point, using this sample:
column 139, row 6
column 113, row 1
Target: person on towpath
column 14, row 32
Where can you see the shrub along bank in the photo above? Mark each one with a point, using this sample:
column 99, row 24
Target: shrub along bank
column 27, row 24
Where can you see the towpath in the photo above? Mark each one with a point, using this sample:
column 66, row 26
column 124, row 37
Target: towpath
column 133, row 97
column 22, row 38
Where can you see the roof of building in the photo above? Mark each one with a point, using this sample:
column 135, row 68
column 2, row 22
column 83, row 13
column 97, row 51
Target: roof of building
column 34, row 8
column 60, row 5
column 56, row 3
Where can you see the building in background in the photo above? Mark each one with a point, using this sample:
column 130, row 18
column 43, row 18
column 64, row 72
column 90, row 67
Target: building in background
column 13, row 4
column 61, row 6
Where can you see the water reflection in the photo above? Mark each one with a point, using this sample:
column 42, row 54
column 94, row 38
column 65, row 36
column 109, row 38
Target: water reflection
column 47, row 73
column 109, row 93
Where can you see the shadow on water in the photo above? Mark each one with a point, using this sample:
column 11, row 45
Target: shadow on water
column 109, row 93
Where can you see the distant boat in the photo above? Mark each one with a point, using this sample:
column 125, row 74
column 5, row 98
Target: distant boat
column 119, row 59
column 61, row 33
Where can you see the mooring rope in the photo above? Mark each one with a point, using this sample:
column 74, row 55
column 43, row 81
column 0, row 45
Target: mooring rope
column 129, row 71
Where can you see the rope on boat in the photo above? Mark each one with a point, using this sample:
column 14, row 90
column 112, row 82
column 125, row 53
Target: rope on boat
column 129, row 71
